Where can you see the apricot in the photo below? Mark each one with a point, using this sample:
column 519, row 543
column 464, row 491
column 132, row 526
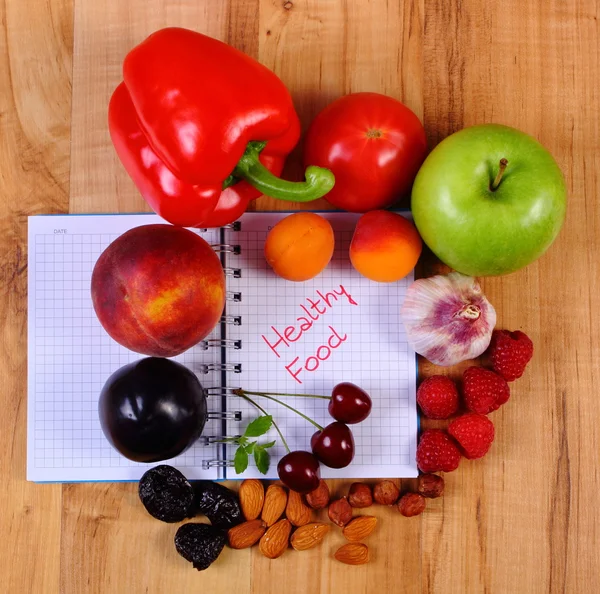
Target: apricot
column 300, row 246
column 158, row 289
column 385, row 246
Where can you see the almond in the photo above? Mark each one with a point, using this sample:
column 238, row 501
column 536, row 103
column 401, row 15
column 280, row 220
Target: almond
column 275, row 502
column 296, row 511
column 340, row 512
column 246, row 534
column 319, row 498
column 252, row 497
column 309, row 536
column 359, row 528
column 274, row 541
column 353, row 553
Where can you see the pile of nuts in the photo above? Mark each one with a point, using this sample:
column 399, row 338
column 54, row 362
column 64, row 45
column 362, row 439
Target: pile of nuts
column 270, row 530
column 274, row 533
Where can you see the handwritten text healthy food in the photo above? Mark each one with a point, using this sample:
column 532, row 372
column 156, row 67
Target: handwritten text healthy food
column 313, row 311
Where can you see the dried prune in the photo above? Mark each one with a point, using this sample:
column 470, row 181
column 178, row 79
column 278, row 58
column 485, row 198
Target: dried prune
column 219, row 504
column 200, row 544
column 167, row 494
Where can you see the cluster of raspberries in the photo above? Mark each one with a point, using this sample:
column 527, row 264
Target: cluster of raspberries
column 483, row 391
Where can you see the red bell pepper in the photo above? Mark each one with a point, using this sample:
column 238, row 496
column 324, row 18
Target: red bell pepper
column 202, row 129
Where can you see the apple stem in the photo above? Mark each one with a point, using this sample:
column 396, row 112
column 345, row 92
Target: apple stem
column 242, row 393
column 262, row 410
column 501, row 170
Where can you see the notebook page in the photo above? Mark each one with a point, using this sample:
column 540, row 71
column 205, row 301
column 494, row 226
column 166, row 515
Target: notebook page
column 70, row 356
column 340, row 327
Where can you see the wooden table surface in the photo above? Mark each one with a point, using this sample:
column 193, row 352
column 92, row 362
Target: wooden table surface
column 523, row 520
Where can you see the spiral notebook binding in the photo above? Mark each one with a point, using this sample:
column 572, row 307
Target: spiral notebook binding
column 208, row 367
column 221, row 391
column 210, row 439
column 208, row 464
column 224, row 248
column 227, row 248
column 234, row 272
column 232, row 320
column 235, row 226
column 234, row 415
column 226, row 343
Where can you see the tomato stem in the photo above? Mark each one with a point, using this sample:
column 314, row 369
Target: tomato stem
column 374, row 133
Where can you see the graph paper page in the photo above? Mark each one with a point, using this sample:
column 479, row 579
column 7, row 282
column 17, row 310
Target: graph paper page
column 306, row 337
column 70, row 356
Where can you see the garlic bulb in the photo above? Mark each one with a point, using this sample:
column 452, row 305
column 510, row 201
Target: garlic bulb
column 447, row 318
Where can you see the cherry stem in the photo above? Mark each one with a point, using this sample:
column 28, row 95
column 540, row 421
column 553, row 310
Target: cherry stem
column 242, row 393
column 280, row 394
column 262, row 410
column 501, row 170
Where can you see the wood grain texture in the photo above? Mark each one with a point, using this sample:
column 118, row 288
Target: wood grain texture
column 521, row 515
column 35, row 107
column 524, row 519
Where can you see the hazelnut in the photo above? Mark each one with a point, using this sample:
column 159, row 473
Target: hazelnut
column 386, row 493
column 319, row 498
column 411, row 504
column 340, row 512
column 430, row 485
column 360, row 495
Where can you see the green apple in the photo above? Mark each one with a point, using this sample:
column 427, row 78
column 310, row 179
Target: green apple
column 489, row 200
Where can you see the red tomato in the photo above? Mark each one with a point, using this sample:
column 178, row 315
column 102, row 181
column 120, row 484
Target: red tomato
column 373, row 144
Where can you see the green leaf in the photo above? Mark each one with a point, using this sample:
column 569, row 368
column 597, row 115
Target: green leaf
column 259, row 426
column 250, row 447
column 270, row 444
column 240, row 461
column 262, row 459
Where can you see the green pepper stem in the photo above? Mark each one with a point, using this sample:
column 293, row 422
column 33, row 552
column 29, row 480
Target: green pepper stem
column 242, row 393
column 318, row 179
column 262, row 410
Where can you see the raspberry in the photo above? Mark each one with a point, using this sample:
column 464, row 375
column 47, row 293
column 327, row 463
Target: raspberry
column 484, row 391
column 509, row 353
column 437, row 451
column 474, row 433
column 438, row 397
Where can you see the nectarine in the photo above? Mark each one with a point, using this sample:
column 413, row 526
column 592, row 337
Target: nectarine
column 158, row 289
column 385, row 246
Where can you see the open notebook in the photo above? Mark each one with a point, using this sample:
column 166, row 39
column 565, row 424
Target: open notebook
column 293, row 338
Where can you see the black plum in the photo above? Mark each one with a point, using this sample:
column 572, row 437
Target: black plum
column 153, row 409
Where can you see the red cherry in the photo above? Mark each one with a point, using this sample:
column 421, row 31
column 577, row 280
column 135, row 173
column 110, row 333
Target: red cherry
column 299, row 471
column 334, row 445
column 349, row 403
